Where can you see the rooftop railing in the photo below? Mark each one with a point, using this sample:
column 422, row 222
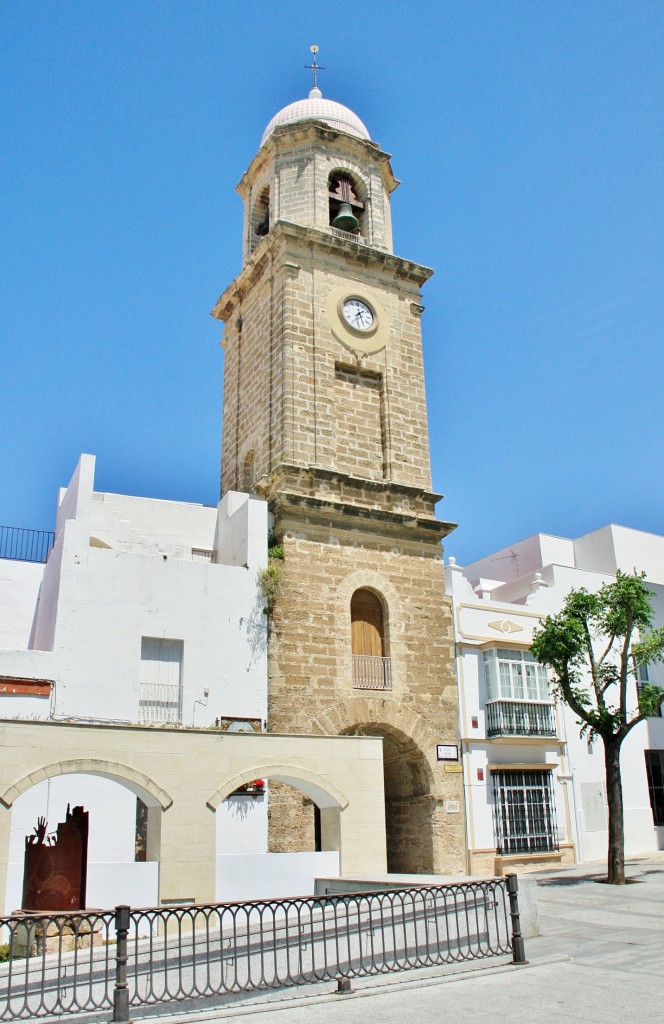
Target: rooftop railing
column 25, row 545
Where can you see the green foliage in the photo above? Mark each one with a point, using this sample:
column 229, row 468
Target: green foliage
column 270, row 582
column 4, row 952
column 593, row 647
column 274, row 548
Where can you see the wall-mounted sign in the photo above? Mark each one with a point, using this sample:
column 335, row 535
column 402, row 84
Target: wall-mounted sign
column 447, row 752
column 453, row 768
column 452, row 807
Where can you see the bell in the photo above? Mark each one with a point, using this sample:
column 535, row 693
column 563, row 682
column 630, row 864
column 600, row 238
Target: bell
column 346, row 220
column 264, row 227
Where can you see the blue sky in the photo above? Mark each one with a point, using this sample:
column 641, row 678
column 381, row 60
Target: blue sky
column 528, row 139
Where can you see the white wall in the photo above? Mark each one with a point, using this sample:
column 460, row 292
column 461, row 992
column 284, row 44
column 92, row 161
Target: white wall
column 19, row 590
column 97, row 602
column 121, row 569
column 273, row 875
column 242, row 825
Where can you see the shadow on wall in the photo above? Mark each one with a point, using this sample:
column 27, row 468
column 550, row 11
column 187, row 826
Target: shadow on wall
column 256, row 627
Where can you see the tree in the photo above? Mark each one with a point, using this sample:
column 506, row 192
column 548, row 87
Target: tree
column 594, row 647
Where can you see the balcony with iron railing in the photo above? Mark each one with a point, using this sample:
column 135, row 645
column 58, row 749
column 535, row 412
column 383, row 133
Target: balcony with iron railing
column 519, row 718
column 371, row 672
column 25, row 545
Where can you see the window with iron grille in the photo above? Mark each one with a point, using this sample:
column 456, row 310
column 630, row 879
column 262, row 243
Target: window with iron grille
column 524, row 812
column 655, row 773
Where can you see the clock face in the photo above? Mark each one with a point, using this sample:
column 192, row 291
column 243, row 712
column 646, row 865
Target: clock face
column 358, row 314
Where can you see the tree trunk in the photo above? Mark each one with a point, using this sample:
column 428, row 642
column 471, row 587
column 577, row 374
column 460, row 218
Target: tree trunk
column 616, row 856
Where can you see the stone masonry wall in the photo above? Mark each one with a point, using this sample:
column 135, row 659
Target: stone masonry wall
column 311, row 682
column 281, row 381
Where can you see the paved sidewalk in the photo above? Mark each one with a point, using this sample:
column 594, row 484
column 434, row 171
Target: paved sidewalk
column 600, row 957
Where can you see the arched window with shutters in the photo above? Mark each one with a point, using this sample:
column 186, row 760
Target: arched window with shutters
column 371, row 665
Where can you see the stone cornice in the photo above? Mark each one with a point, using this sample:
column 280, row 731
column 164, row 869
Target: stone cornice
column 356, row 253
column 344, row 515
column 338, row 497
column 292, row 136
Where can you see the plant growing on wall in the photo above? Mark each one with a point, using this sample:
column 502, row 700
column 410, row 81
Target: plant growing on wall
column 595, row 647
column 270, row 580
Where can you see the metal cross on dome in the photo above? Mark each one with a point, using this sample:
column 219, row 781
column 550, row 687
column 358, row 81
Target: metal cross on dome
column 314, row 66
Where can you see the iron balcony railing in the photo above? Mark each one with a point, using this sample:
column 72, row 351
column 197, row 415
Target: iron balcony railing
column 371, row 672
column 519, row 718
column 25, row 545
column 159, row 702
column 87, row 962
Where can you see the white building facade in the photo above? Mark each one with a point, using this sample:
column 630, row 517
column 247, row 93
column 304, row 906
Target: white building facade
column 535, row 790
column 146, row 611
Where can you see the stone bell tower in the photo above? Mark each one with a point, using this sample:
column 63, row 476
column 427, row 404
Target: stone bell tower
column 325, row 417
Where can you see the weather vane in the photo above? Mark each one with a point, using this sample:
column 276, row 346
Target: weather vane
column 314, row 66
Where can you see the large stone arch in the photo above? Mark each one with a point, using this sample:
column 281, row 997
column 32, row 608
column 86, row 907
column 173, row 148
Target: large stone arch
column 139, row 783
column 333, row 721
column 409, row 800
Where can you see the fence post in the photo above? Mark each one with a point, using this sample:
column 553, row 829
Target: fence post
column 121, row 992
column 518, row 948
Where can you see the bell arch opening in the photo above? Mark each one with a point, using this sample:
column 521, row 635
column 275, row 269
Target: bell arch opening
column 347, row 205
column 408, row 800
column 260, row 218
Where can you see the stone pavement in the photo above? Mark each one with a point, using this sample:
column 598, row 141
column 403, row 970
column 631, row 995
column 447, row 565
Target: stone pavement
column 600, row 957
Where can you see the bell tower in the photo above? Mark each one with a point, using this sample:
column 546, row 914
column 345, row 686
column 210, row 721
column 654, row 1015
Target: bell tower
column 325, row 417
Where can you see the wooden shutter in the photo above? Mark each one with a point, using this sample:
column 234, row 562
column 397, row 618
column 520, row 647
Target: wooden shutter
column 366, row 615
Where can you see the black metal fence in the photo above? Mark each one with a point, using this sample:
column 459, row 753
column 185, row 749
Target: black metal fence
column 127, row 958
column 25, row 545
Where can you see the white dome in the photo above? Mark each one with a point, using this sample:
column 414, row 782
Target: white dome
column 315, row 108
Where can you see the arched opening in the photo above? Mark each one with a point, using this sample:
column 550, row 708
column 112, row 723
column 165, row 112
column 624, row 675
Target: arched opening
column 408, row 801
column 249, row 473
column 260, row 218
column 124, row 837
column 371, row 663
column 278, row 839
column 346, row 206
column 294, row 821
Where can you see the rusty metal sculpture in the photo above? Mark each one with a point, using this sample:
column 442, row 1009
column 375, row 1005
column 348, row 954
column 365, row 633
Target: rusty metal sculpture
column 55, row 871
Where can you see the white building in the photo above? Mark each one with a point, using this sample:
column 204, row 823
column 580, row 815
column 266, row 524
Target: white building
column 145, row 611
column 535, row 791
